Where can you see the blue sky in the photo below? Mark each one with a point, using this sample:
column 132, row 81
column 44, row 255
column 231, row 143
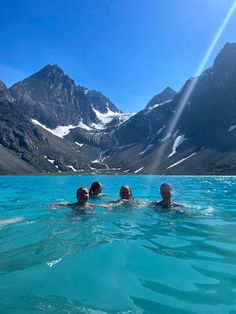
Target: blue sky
column 128, row 49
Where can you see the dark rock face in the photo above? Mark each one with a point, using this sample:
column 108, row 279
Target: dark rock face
column 53, row 99
column 100, row 102
column 167, row 94
column 207, row 127
column 211, row 108
column 31, row 148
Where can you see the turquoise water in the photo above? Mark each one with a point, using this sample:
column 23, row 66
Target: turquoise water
column 131, row 260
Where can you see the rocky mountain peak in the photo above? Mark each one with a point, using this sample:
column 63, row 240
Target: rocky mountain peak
column 52, row 74
column 225, row 61
column 4, row 93
column 166, row 94
column 100, row 102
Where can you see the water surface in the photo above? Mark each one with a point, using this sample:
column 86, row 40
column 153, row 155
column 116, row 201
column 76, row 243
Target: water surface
column 131, row 260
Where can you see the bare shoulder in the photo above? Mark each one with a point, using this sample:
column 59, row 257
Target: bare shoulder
column 178, row 205
column 156, row 203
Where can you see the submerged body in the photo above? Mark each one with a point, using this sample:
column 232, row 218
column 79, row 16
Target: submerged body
column 126, row 197
column 95, row 190
column 54, row 261
column 166, row 204
column 82, row 206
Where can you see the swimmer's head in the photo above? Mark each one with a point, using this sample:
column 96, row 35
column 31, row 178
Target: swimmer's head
column 96, row 188
column 82, row 194
column 125, row 193
column 166, row 191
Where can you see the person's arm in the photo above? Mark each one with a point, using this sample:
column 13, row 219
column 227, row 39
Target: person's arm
column 178, row 205
column 59, row 204
column 154, row 204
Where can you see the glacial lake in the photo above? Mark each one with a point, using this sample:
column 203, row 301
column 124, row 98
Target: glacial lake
column 129, row 260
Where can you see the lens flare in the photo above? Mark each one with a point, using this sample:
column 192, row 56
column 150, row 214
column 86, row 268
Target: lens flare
column 188, row 91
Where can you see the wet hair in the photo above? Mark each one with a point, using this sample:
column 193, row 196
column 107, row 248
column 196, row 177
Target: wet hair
column 79, row 190
column 94, row 186
column 126, row 187
column 165, row 185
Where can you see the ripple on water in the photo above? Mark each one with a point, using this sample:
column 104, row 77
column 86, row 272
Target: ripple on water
column 126, row 261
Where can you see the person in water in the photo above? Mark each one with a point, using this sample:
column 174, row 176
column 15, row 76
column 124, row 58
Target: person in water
column 82, row 204
column 126, row 197
column 126, row 193
column 96, row 190
column 166, row 192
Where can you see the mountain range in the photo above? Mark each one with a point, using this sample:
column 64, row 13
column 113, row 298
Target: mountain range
column 49, row 124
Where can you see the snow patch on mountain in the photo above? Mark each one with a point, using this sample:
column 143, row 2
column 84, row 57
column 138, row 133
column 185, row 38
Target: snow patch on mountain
column 96, row 161
column 166, row 137
column 61, row 130
column 146, row 149
column 79, row 144
column 231, row 128
column 158, row 105
column 178, row 162
column 72, row 168
column 178, row 141
column 138, row 170
column 107, row 117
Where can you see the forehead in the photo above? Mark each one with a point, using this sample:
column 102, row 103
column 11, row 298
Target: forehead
column 83, row 190
column 166, row 188
column 125, row 188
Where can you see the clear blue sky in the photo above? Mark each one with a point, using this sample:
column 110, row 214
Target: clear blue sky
column 127, row 49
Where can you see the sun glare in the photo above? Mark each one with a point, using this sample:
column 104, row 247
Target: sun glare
column 186, row 95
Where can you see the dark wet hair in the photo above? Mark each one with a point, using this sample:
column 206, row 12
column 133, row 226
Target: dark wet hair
column 94, row 186
column 79, row 190
column 127, row 187
column 166, row 185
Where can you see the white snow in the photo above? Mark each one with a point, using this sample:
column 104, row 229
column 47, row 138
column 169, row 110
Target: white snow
column 106, row 118
column 166, row 137
column 83, row 126
column 136, row 171
column 160, row 130
column 158, row 105
column 72, row 168
column 178, row 141
column 51, row 161
column 175, row 133
column 96, row 161
column 79, row 144
column 146, row 149
column 61, row 130
column 178, row 162
column 42, row 125
column 86, row 91
column 231, row 128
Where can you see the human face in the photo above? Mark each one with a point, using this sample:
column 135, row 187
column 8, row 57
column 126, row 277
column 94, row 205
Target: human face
column 125, row 193
column 166, row 193
column 83, row 195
